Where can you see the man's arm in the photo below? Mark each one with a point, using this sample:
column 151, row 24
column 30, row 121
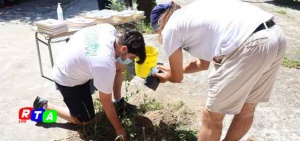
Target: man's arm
column 111, row 113
column 175, row 72
column 177, row 68
column 195, row 66
column 118, row 80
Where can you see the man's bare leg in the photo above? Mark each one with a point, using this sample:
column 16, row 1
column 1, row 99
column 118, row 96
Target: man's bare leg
column 65, row 114
column 62, row 112
column 211, row 128
column 241, row 123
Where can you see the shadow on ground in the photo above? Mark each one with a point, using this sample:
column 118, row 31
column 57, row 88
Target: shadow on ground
column 282, row 3
column 68, row 126
column 285, row 3
column 28, row 11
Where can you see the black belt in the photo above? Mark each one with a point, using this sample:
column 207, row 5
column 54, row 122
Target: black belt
column 269, row 24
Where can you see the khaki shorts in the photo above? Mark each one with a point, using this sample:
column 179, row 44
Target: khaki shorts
column 247, row 75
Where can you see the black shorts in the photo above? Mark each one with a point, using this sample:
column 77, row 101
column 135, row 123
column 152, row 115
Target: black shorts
column 79, row 101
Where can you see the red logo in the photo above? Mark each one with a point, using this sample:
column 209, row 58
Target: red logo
column 25, row 114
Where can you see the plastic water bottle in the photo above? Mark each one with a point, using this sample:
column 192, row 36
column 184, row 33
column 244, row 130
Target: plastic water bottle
column 60, row 15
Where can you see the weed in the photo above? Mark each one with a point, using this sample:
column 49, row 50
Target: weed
column 127, row 79
column 290, row 63
column 116, row 5
column 184, row 134
column 147, row 28
column 281, row 11
column 178, row 105
column 150, row 105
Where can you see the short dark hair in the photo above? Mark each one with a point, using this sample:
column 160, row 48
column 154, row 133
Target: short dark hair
column 135, row 43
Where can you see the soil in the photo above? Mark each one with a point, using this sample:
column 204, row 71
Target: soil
column 152, row 125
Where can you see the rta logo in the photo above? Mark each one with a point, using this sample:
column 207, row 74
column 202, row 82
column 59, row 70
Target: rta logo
column 37, row 115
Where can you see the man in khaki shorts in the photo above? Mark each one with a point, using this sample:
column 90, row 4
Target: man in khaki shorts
column 246, row 47
column 252, row 73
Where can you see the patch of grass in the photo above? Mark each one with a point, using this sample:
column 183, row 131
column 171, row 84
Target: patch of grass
column 116, row 5
column 281, row 11
column 147, row 28
column 184, row 134
column 290, row 63
column 178, row 105
column 151, row 105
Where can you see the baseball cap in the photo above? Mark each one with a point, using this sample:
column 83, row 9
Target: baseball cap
column 156, row 13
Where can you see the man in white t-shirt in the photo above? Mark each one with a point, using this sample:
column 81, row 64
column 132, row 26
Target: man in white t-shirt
column 94, row 53
column 246, row 47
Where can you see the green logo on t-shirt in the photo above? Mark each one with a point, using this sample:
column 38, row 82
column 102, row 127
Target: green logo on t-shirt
column 91, row 42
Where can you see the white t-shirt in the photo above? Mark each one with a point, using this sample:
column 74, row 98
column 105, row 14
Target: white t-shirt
column 183, row 3
column 89, row 54
column 209, row 28
column 162, row 1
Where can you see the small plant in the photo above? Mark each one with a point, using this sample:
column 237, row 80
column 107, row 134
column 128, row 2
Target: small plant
column 99, row 125
column 116, row 5
column 290, row 63
column 281, row 11
column 128, row 123
column 184, row 134
column 150, row 105
column 178, row 105
column 147, row 28
column 127, row 84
